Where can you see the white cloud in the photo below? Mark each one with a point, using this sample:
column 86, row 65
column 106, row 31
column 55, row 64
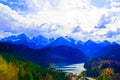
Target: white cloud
column 4, row 34
column 53, row 18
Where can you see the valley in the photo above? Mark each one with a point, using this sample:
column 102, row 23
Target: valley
column 59, row 39
column 84, row 60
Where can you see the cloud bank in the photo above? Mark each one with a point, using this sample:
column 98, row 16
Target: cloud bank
column 80, row 19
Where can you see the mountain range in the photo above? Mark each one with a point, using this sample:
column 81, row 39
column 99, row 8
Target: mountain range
column 90, row 48
column 22, row 39
column 60, row 54
column 100, row 58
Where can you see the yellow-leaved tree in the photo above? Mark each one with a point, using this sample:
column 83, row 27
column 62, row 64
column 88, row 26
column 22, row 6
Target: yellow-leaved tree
column 8, row 71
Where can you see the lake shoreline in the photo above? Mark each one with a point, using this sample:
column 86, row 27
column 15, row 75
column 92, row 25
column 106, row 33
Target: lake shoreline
column 73, row 68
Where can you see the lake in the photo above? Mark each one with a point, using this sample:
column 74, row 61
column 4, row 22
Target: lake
column 73, row 68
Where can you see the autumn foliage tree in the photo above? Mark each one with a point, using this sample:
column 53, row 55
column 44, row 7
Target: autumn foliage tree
column 13, row 69
column 8, row 71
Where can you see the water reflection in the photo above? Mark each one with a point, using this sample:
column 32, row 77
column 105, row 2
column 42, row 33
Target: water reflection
column 74, row 68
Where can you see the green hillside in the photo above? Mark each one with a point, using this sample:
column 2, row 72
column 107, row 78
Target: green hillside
column 13, row 69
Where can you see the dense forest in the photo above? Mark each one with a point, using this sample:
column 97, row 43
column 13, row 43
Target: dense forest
column 106, row 67
column 14, row 69
column 102, row 69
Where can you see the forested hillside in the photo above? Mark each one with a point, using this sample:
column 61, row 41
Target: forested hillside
column 14, row 69
column 106, row 67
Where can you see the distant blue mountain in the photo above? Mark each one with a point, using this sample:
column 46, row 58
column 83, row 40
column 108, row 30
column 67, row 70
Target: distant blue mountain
column 60, row 54
column 61, row 41
column 14, row 38
column 105, row 43
column 112, row 52
column 17, row 39
column 90, row 48
column 111, row 49
column 22, row 39
column 41, row 41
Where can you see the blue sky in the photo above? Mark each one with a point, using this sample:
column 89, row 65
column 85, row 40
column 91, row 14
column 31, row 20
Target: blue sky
column 101, row 3
column 80, row 19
